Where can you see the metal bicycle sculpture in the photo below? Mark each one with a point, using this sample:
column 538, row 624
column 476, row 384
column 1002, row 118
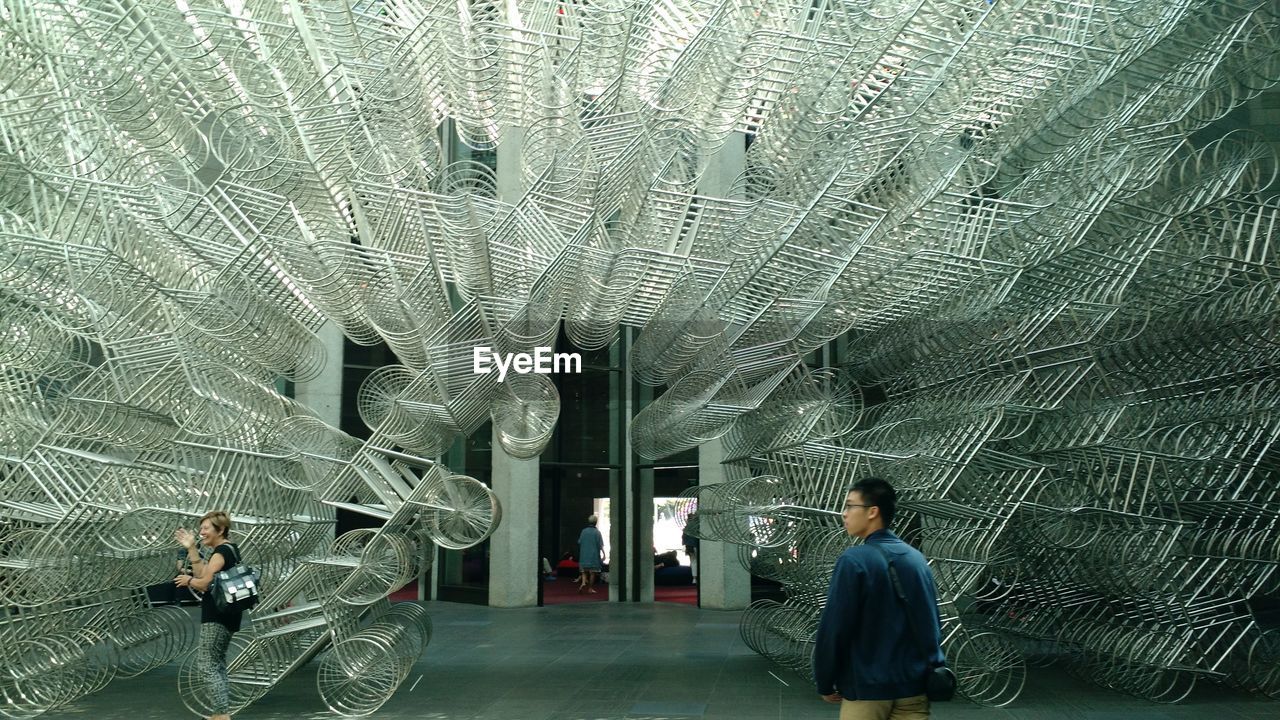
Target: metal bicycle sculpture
column 1064, row 301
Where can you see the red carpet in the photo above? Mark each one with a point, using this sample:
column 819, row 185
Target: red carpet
column 687, row 594
column 565, row 590
column 408, row 592
column 558, row 592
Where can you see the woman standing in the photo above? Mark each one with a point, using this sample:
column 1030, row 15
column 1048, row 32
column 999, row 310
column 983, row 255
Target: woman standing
column 215, row 627
column 590, row 555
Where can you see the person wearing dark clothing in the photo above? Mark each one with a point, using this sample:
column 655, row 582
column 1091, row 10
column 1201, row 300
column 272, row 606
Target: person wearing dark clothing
column 590, row 555
column 690, row 543
column 867, row 657
column 664, row 560
column 216, row 627
column 166, row 592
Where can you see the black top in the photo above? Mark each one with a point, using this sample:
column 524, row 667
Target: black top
column 208, row 611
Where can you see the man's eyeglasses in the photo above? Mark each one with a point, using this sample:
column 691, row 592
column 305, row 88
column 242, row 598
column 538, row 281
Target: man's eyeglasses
column 852, row 505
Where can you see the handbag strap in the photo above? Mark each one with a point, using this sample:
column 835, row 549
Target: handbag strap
column 236, row 552
column 902, row 598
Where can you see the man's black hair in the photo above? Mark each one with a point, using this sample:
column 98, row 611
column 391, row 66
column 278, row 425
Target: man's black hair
column 878, row 492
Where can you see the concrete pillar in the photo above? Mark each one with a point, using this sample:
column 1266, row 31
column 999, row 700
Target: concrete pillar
column 513, row 547
column 618, row 538
column 449, row 573
column 323, row 393
column 724, row 166
column 621, row 486
column 725, row 583
column 509, row 179
column 644, row 528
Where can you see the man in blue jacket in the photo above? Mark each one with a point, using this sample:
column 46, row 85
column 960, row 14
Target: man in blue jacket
column 867, row 657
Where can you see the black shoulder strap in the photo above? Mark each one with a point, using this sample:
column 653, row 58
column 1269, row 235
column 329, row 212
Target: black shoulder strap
column 902, row 599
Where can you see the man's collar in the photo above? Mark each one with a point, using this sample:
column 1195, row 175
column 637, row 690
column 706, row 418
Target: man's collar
column 881, row 535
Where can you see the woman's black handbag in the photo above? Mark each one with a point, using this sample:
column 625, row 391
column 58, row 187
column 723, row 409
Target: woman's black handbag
column 939, row 680
column 236, row 588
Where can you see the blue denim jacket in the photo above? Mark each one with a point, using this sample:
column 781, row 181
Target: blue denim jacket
column 864, row 648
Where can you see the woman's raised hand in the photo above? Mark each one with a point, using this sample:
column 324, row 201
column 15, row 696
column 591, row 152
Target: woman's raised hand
column 185, row 538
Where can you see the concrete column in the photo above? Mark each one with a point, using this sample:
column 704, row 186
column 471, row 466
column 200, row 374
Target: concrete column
column 323, row 393
column 617, row 537
column 726, row 585
column 513, row 547
column 644, row 528
column 509, row 179
column 724, row 166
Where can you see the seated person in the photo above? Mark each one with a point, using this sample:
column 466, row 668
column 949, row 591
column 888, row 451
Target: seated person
column 666, row 560
column 567, row 567
column 667, row 570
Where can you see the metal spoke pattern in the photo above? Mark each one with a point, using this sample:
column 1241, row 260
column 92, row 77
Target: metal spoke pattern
column 360, row 673
column 524, row 413
column 61, row 651
column 1055, row 302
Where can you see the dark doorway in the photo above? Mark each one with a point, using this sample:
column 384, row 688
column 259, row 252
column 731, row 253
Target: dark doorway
column 567, row 496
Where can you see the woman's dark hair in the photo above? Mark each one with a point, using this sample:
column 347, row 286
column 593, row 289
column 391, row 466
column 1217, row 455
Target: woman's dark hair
column 880, row 493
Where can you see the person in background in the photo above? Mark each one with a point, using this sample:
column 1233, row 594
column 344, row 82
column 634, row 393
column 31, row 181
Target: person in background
column 590, row 555
column 690, row 543
column 216, row 628
column 568, row 568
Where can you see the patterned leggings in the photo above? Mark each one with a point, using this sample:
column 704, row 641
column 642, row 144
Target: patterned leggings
column 214, row 639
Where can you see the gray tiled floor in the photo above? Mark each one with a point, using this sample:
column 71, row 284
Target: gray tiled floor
column 604, row 661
